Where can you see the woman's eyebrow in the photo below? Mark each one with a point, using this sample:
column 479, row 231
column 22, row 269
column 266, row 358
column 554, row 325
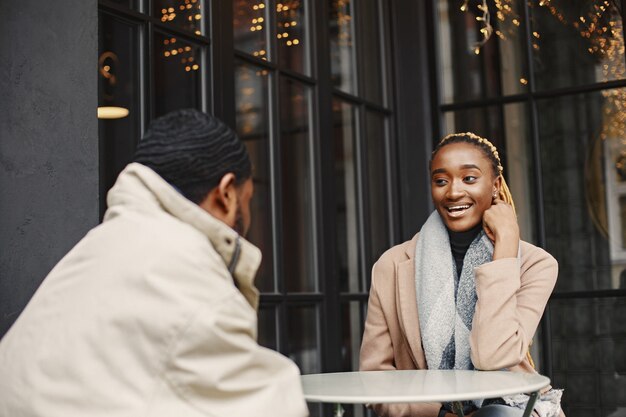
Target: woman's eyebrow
column 465, row 166
column 470, row 166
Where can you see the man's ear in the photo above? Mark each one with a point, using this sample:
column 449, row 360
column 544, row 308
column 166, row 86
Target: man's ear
column 222, row 201
column 226, row 194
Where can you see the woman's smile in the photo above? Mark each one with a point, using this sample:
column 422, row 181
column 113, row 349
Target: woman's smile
column 458, row 210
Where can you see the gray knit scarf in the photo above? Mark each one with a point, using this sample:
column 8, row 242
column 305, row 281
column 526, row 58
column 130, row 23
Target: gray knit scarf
column 446, row 308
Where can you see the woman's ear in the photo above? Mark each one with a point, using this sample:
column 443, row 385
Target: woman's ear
column 497, row 185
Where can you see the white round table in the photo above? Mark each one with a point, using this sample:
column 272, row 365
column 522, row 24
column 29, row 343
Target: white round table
column 374, row 387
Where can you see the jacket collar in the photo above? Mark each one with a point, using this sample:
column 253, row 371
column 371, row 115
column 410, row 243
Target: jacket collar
column 139, row 186
column 407, row 304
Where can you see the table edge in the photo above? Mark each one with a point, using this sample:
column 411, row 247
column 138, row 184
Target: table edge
column 431, row 398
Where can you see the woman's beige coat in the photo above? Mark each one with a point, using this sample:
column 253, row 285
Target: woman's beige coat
column 512, row 294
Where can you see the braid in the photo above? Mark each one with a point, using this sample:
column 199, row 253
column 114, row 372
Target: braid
column 490, row 150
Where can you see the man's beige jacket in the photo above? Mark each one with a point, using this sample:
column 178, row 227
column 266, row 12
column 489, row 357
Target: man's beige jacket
column 143, row 318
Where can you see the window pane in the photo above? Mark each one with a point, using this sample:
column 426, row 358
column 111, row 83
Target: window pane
column 347, row 256
column 352, row 323
column 507, row 128
column 341, row 45
column 499, row 69
column 582, row 143
column 303, row 343
column 291, row 35
column 177, row 66
column 372, row 51
column 589, row 354
column 252, row 115
column 268, row 326
column 376, row 183
column 352, row 320
column 297, row 188
column 576, row 42
column 130, row 4
column 118, row 86
column 185, row 14
column 250, row 27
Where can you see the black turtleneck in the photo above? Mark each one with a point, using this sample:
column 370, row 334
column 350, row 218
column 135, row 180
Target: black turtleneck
column 460, row 242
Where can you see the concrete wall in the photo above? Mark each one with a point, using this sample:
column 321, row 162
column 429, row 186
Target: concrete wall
column 48, row 140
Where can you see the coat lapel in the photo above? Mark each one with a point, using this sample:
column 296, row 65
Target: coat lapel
column 407, row 305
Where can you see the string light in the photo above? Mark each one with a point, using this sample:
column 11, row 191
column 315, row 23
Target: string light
column 187, row 17
column 486, row 30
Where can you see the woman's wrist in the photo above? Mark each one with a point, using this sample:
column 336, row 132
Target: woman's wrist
column 506, row 246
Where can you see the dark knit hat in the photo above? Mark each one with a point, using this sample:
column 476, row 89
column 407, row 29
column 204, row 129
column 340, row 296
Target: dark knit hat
column 192, row 151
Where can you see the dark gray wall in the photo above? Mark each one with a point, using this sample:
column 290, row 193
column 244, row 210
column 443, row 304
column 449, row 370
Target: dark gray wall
column 48, row 140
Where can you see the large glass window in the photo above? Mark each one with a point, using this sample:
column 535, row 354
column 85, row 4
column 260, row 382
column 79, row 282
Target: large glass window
column 296, row 172
column 321, row 168
column 119, row 91
column 252, row 121
column 306, row 85
column 150, row 61
column 548, row 87
column 177, row 67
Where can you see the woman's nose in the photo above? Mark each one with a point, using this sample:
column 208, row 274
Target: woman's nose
column 455, row 190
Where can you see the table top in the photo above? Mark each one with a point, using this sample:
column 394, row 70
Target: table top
column 417, row 386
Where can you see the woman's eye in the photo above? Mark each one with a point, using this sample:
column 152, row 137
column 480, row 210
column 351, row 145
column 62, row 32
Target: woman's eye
column 470, row 179
column 439, row 181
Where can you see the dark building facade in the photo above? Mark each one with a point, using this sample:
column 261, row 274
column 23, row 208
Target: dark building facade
column 340, row 103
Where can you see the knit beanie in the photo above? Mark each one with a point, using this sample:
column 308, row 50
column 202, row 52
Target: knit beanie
column 192, row 151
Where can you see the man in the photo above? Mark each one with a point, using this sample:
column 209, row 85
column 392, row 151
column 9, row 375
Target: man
column 153, row 313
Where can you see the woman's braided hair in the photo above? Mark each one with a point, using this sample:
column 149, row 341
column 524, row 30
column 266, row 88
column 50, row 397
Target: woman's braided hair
column 489, row 150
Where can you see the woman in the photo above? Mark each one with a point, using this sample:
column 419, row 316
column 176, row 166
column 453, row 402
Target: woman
column 465, row 292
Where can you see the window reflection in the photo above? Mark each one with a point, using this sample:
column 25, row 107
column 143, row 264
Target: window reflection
column 581, row 187
column 291, row 34
column 577, row 42
column 118, row 86
column 341, row 45
column 267, row 325
column 372, row 54
column 176, row 73
column 351, row 324
column 252, row 118
column 131, row 4
column 499, row 67
column 589, row 354
column 297, row 189
column 303, row 343
column 184, row 14
column 347, row 261
column 378, row 196
column 352, row 320
column 250, row 20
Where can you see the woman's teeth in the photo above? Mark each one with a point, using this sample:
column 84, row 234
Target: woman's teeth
column 458, row 208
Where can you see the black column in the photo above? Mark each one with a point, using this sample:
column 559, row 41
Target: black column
column 48, row 140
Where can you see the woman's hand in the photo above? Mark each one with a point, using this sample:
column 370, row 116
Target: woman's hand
column 501, row 227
